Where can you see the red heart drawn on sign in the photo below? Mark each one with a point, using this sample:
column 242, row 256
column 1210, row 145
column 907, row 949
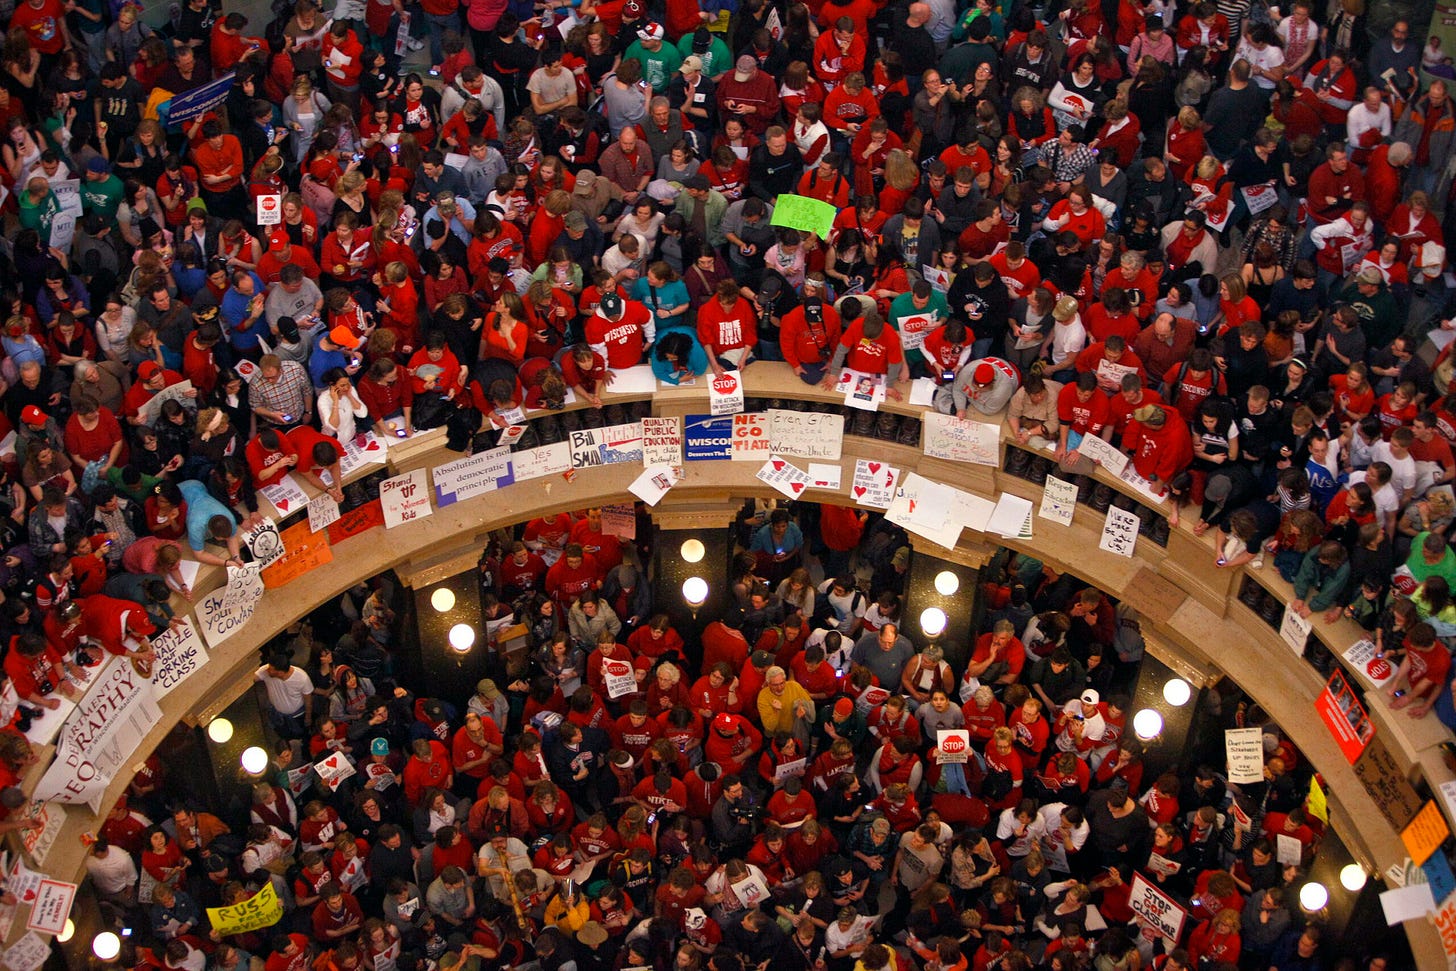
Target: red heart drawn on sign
column 797, row 487
column 282, row 505
column 372, row 447
column 859, row 492
column 874, row 466
column 778, row 465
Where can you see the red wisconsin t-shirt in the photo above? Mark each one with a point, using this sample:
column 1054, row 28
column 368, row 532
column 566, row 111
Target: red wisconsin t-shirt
column 871, row 356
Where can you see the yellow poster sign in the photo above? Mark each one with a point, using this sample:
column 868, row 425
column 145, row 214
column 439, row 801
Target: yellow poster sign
column 262, row 909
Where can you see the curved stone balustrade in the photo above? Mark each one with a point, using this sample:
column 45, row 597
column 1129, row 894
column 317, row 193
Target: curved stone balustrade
column 1188, row 605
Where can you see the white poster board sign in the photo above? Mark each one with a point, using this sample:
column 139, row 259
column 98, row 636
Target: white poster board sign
column 1058, row 501
column 1295, row 629
column 662, row 441
column 405, row 498
column 961, row 440
column 1119, row 532
column 180, row 655
column 1244, row 749
column 806, row 434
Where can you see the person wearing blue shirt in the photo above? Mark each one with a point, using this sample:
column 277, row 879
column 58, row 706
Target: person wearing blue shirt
column 664, row 294
column 333, row 349
column 777, row 545
column 677, row 356
column 208, row 520
column 242, row 313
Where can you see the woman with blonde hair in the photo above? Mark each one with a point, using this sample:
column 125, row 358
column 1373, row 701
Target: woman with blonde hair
column 351, row 197
column 304, row 111
column 902, row 177
column 1184, row 146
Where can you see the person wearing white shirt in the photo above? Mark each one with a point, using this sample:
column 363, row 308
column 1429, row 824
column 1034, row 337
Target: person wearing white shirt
column 1068, row 337
column 1063, row 828
column 1396, row 454
column 1387, row 500
column 1371, row 115
column 1023, row 826
column 290, row 696
column 112, row 872
column 1266, row 59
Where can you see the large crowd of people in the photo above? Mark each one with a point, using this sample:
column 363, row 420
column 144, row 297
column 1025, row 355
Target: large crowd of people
column 1210, row 234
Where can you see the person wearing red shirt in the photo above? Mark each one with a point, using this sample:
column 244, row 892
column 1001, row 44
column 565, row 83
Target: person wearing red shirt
column 1018, row 273
column 228, row 45
column 838, row 53
column 347, row 255
column 1422, row 674
column 1335, row 185
column 428, row 768
column 1109, row 360
column 732, row 742
column 571, row 576
column 219, row 160
column 986, row 235
column 1204, row 26
column 826, row 182
column 1077, row 215
column 270, row 456
column 728, row 328
column 999, row 656
column 1004, row 771
column 620, row 331
column 984, row 713
column 850, row 106
column 1194, row 381
column 1032, row 731
column 343, row 63
column 44, row 24
column 337, row 915
column 398, row 309
column 295, row 957
column 809, row 332
column 1160, row 448
column 199, row 363
column 869, row 346
column 435, row 368
column 151, row 378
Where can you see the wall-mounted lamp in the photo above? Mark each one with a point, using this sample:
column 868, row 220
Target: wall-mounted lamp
column 462, row 637
column 932, row 621
column 695, row 592
column 220, row 730
column 443, row 600
column 254, row 760
column 1147, row 724
column 1313, row 897
column 947, row 583
column 693, row 550
column 1353, row 877
column 67, row 932
column 1177, row 692
column 106, row 946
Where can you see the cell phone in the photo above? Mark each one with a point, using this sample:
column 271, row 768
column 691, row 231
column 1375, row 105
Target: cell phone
column 394, row 149
column 1400, row 694
column 358, row 156
column 409, row 232
column 287, row 419
column 651, row 818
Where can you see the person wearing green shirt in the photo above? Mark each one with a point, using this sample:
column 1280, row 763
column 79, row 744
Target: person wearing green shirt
column 38, row 206
column 660, row 61
column 1430, row 556
column 101, row 192
column 915, row 315
column 717, row 59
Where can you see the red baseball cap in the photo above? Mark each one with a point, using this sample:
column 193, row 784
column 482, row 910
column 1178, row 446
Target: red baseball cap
column 277, row 239
column 984, row 374
column 32, row 415
column 149, row 370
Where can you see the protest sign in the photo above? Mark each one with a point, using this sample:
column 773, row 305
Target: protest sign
column 107, row 726
column 1244, row 750
column 1156, row 910
column 1424, row 834
column 28, row 953
column 861, row 390
column 785, row 771
column 533, row 463
column 263, row 541
column 708, row 438
column 356, row 522
column 823, row 475
column 662, row 441
column 1058, row 501
column 53, row 900
column 959, row 440
column 286, row 495
column 193, row 104
column 586, row 448
column 405, row 498
column 653, row 483
column 806, row 434
column 725, row 393
column 622, row 443
column 179, row 656
column 952, row 745
column 1295, row 629
column 151, row 409
column 268, row 209
column 262, row 909
column 323, row 511
column 619, row 678
column 619, row 520
column 1119, row 532
column 874, row 483
column 304, row 550
column 1103, row 453
column 38, row 841
column 472, row 476
column 1364, row 660
column 785, row 477
column 751, row 438
column 801, row 212
column 1344, row 716
column 222, row 615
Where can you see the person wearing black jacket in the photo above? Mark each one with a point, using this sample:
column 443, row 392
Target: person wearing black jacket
column 576, row 757
column 758, row 939
column 1119, row 827
column 774, row 166
column 1148, row 180
column 980, row 300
